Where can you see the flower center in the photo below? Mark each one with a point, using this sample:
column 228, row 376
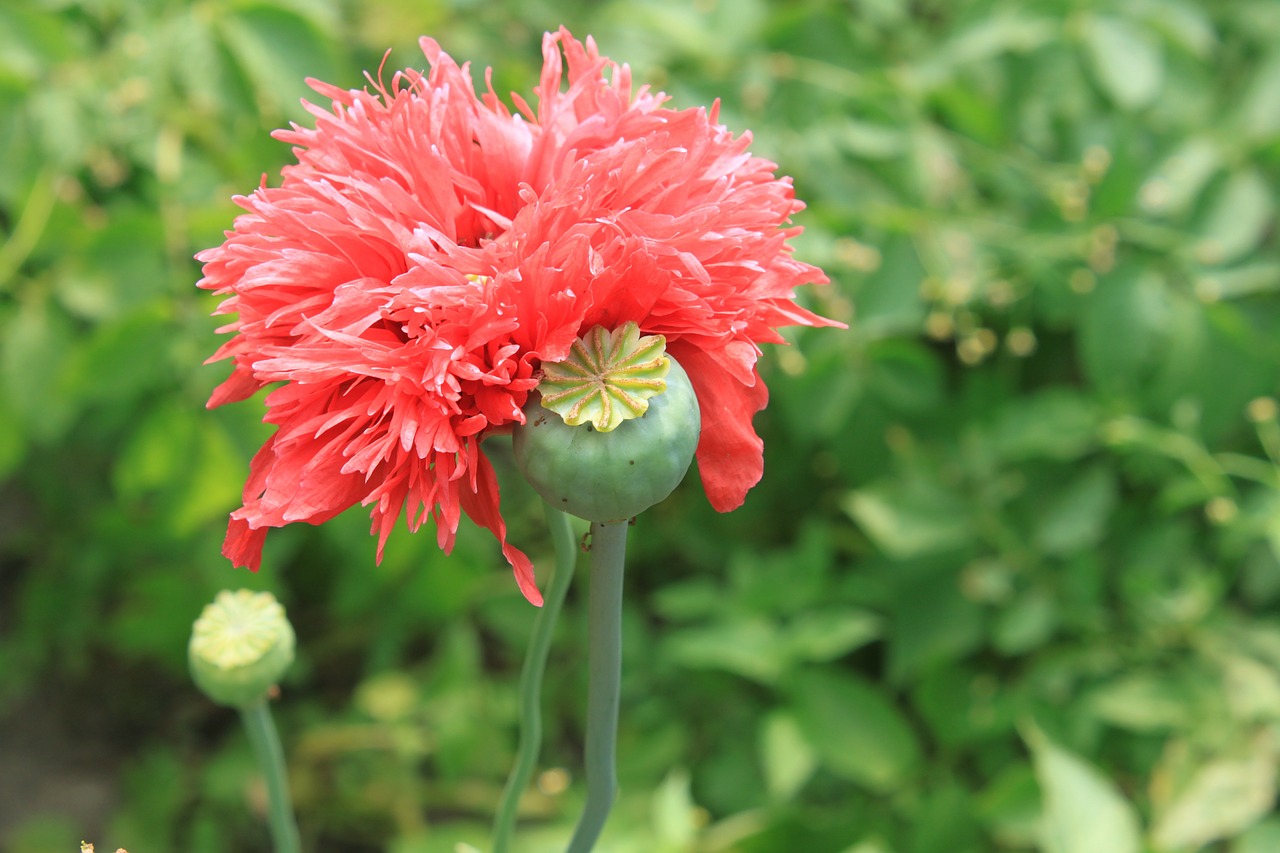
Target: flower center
column 608, row 377
column 238, row 628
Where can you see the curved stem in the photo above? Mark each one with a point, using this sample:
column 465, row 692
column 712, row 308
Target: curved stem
column 535, row 663
column 604, row 660
column 266, row 749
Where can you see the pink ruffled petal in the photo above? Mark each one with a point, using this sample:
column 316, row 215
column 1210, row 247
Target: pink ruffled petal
column 481, row 506
column 730, row 454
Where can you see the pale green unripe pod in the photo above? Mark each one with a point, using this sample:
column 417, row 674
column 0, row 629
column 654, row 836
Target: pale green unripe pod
column 240, row 647
column 614, row 475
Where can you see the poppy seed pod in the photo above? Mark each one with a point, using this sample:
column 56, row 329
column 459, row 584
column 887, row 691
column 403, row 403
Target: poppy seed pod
column 609, row 467
column 240, row 647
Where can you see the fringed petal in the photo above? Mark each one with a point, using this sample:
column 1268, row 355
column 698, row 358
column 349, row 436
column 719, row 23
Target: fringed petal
column 481, row 506
column 730, row 454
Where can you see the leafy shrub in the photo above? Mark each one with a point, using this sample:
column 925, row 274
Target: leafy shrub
column 1006, row 584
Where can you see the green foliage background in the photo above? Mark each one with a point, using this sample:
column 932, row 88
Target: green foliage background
column 1010, row 582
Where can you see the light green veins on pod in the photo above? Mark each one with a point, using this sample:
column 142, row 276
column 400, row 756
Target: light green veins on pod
column 240, row 647
column 612, row 429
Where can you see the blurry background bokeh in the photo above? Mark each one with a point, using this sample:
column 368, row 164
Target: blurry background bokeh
column 1011, row 580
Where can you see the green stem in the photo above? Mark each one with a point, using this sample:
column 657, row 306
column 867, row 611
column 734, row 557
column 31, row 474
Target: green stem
column 535, row 663
column 604, row 663
column 266, row 749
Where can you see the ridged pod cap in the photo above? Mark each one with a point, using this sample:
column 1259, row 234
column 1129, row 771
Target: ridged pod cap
column 612, row 430
column 240, row 647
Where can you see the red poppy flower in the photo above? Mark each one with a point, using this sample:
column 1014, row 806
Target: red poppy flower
column 431, row 248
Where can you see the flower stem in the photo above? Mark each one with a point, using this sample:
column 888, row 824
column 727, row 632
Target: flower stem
column 604, row 662
column 266, row 749
column 535, row 663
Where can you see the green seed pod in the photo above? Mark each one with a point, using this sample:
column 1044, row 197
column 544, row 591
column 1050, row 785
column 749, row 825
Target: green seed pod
column 610, row 474
column 240, row 647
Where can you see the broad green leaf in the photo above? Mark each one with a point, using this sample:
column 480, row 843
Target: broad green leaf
column 856, row 731
column 160, row 447
column 992, row 35
column 1010, row 806
column 888, row 299
column 1083, row 811
column 1184, row 24
column 1056, row 423
column 34, row 347
column 1075, row 517
column 1222, row 798
column 751, row 648
column 1177, row 182
column 787, row 758
column 963, row 706
column 1252, row 687
column 1263, row 837
column 869, row 140
column 1123, row 331
column 930, row 622
column 1126, row 61
column 213, row 482
column 1026, row 623
column 906, row 376
column 689, row 600
column 1240, row 281
column 674, row 812
column 1242, row 211
column 1143, row 701
column 826, row 634
column 910, row 519
column 121, row 360
column 1257, row 116
column 870, row 845
column 199, row 65
column 278, row 50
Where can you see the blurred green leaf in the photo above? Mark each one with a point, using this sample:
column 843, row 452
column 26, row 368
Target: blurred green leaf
column 1010, row 805
column 786, row 756
column 1223, row 798
column 1122, row 335
column 674, row 810
column 1026, row 623
column 905, row 375
column 1142, row 701
column 910, row 519
column 1126, row 60
column 1075, row 518
column 1083, row 811
column 1260, row 838
column 1057, row 423
column 751, row 648
column 33, row 349
column 930, row 622
column 278, row 49
column 1241, row 281
column 1179, row 179
column 828, row 633
column 856, row 731
column 1256, row 115
column 1241, row 212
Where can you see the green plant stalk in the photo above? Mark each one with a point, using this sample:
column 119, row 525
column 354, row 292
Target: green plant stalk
column 535, row 663
column 604, row 663
column 266, row 749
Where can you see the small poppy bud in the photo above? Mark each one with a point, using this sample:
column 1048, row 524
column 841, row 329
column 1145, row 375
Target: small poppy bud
column 240, row 647
column 613, row 428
